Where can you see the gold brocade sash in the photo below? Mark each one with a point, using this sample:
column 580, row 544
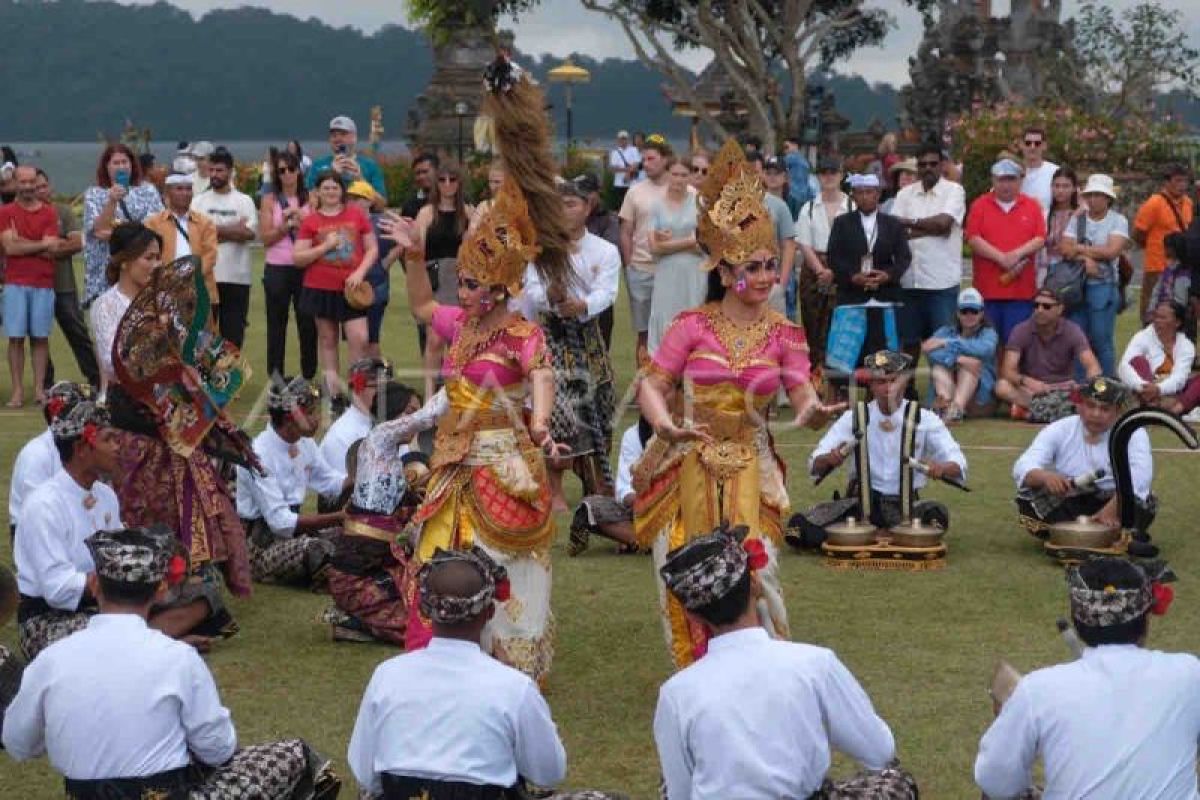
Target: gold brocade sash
column 473, row 409
column 356, row 527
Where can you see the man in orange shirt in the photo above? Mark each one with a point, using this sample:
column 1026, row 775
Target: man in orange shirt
column 1165, row 212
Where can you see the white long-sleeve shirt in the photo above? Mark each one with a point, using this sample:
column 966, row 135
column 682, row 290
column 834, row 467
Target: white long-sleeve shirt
column 597, row 265
column 756, row 719
column 37, row 463
column 450, row 712
column 1120, row 723
column 51, row 553
column 631, row 451
column 1062, row 446
column 291, row 470
column 1147, row 344
column 934, row 443
column 118, row 700
column 352, row 425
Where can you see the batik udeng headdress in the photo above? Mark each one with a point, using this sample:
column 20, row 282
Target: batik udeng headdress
column 290, row 395
column 64, row 395
column 733, row 221
column 81, row 420
column 452, row 609
column 705, row 569
column 137, row 555
column 498, row 250
column 1106, row 606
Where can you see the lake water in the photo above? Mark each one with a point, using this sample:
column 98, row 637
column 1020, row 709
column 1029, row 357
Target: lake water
column 72, row 165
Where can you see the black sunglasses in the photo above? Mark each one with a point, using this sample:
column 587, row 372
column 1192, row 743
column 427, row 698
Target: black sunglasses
column 1034, row 142
column 970, row 311
column 1045, row 305
column 447, row 179
column 699, row 170
column 284, row 168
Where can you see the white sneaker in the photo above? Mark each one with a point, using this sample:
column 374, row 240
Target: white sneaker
column 1193, row 415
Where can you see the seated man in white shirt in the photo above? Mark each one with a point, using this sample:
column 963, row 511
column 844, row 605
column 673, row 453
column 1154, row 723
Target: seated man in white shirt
column 584, row 402
column 123, row 711
column 712, row 716
column 612, row 517
column 448, row 720
column 1066, row 472
column 899, row 444
column 365, row 378
column 285, row 545
column 38, row 460
column 1121, row 722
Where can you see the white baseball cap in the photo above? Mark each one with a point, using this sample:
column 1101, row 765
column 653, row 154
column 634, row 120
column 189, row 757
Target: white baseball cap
column 1006, row 168
column 622, row 134
column 203, row 149
column 343, row 123
column 970, row 298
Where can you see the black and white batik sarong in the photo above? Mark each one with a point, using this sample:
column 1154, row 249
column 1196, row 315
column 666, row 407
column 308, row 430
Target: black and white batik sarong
column 582, row 416
column 284, row 770
column 295, row 559
column 38, row 631
column 890, row 783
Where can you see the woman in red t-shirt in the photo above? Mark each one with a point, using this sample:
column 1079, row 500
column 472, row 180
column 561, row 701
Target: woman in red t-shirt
column 335, row 246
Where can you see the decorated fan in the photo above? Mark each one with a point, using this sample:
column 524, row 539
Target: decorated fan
column 168, row 356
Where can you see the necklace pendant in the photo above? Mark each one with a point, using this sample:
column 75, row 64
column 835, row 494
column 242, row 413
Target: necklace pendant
column 293, row 451
column 89, row 501
column 887, row 425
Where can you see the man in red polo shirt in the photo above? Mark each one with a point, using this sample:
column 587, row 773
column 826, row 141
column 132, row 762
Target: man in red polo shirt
column 29, row 234
column 1005, row 229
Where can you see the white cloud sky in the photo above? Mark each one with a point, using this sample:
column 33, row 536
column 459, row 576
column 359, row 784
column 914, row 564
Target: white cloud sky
column 560, row 27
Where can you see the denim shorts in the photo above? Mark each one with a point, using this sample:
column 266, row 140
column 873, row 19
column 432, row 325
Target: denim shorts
column 28, row 311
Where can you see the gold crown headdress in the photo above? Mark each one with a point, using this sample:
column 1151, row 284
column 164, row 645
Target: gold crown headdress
column 734, row 222
column 498, row 250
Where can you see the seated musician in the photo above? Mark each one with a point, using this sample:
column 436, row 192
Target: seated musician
column 59, row 518
column 121, row 711
column 1066, row 472
column 612, row 517
column 285, row 545
column 1120, row 722
column 882, row 439
column 712, row 715
column 449, row 720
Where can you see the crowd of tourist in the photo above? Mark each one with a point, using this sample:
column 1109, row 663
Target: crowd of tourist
column 754, row 281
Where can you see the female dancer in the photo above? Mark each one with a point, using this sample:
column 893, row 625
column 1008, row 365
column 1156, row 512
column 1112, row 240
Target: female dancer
column 170, row 375
column 712, row 459
column 488, row 483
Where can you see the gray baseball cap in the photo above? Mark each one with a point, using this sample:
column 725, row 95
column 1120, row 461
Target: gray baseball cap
column 343, row 123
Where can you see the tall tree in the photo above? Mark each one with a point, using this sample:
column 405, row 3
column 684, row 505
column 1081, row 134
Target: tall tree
column 1129, row 58
column 758, row 43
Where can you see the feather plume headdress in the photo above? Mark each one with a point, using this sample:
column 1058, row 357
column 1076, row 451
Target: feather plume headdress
column 516, row 107
column 504, row 241
column 733, row 221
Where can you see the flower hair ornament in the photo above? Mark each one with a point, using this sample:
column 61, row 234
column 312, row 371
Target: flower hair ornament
column 366, row 371
column 707, row 568
column 447, row 609
column 733, row 221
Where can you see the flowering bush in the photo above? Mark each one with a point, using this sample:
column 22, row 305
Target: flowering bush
column 1087, row 142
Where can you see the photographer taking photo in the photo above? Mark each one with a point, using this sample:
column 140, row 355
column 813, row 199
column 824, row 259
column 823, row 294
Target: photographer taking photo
column 349, row 165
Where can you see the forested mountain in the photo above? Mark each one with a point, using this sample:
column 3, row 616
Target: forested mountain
column 73, row 69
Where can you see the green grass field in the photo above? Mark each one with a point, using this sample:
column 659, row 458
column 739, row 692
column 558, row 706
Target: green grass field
column 923, row 645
